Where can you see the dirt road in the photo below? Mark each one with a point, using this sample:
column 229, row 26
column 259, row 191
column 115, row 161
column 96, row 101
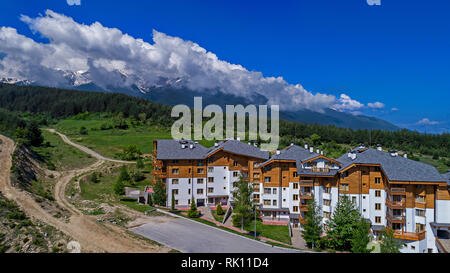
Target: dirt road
column 92, row 236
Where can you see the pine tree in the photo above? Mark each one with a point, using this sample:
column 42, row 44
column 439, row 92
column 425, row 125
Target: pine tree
column 172, row 207
column 124, row 176
column 159, row 197
column 312, row 230
column 389, row 244
column 193, row 213
column 119, row 187
column 361, row 237
column 140, row 163
column 342, row 224
column 243, row 205
column 219, row 209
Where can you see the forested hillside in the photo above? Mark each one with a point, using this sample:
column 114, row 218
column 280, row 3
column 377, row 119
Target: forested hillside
column 53, row 103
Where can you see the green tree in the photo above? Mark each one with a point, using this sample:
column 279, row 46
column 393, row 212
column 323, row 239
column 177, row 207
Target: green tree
column 124, row 176
column 34, row 134
column 119, row 187
column 389, row 244
column 140, row 163
column 94, row 177
column 83, row 130
column 159, row 196
column 312, row 230
column 342, row 224
column 193, row 212
column 131, row 152
column 243, row 205
column 315, row 138
column 361, row 237
column 173, row 201
column 219, row 210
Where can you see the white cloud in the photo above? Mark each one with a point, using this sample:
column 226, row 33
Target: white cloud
column 394, row 109
column 426, row 121
column 104, row 55
column 345, row 103
column 74, row 2
column 375, row 105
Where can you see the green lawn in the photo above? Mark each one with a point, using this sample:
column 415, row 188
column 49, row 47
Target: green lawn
column 218, row 218
column 61, row 156
column 278, row 233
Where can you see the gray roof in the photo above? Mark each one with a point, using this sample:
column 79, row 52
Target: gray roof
column 293, row 152
column 447, row 177
column 238, row 147
column 172, row 149
column 304, row 171
column 397, row 168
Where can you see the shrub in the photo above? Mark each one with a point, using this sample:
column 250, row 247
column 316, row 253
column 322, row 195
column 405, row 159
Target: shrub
column 83, row 131
column 193, row 212
column 219, row 210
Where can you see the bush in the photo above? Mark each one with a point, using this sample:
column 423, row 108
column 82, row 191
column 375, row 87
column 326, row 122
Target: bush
column 83, row 131
column 193, row 212
column 94, row 178
column 119, row 187
column 219, row 210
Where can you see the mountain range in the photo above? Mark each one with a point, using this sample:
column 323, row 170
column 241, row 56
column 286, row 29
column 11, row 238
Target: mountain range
column 173, row 92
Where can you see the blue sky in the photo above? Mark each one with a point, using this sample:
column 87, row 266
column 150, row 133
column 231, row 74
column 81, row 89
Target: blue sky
column 397, row 53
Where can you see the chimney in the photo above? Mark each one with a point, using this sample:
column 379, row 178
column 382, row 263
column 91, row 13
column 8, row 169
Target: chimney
column 321, row 152
column 278, row 152
column 196, row 142
column 318, row 151
column 216, row 144
column 183, row 146
column 292, row 143
column 353, row 156
column 393, row 153
column 249, row 143
column 306, row 146
column 379, row 148
column 238, row 139
column 405, row 155
column 311, row 149
column 191, row 146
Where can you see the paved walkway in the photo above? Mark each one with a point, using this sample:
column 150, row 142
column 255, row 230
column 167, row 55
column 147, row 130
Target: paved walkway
column 192, row 237
column 297, row 239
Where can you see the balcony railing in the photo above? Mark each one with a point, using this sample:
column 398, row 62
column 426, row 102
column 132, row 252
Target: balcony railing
column 160, row 173
column 395, row 204
column 305, row 194
column 398, row 191
column 396, row 218
column 414, row 236
column 306, row 182
column 320, row 170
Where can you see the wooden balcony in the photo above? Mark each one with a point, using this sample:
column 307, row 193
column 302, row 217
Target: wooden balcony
column 244, row 169
column 306, row 183
column 396, row 204
column 397, row 191
column 306, row 195
column 320, row 170
column 396, row 218
column 160, row 173
column 413, row 236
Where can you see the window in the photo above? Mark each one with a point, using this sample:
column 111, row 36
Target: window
column 235, row 174
column 189, row 181
column 420, row 227
column 189, row 170
column 235, row 164
column 174, row 161
column 267, row 202
column 295, row 197
column 413, row 248
column 326, row 215
column 175, row 191
column 200, row 170
column 377, row 193
column 267, row 190
column 267, row 179
column 377, row 206
column 176, row 202
column 295, row 174
column 200, row 181
column 189, row 192
column 211, row 159
column 344, row 187
column 420, row 212
column 420, row 198
column 210, row 169
column 210, row 190
column 199, row 191
column 199, row 163
column 274, row 202
column 235, row 184
column 326, row 202
column 378, row 219
column 327, row 190
column 295, row 208
column 377, row 180
column 174, row 181
column 354, row 199
column 210, row 179
column 175, row 171
column 295, row 186
column 274, row 191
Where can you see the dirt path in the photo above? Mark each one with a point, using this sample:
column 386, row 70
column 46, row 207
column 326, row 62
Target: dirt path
column 92, row 236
